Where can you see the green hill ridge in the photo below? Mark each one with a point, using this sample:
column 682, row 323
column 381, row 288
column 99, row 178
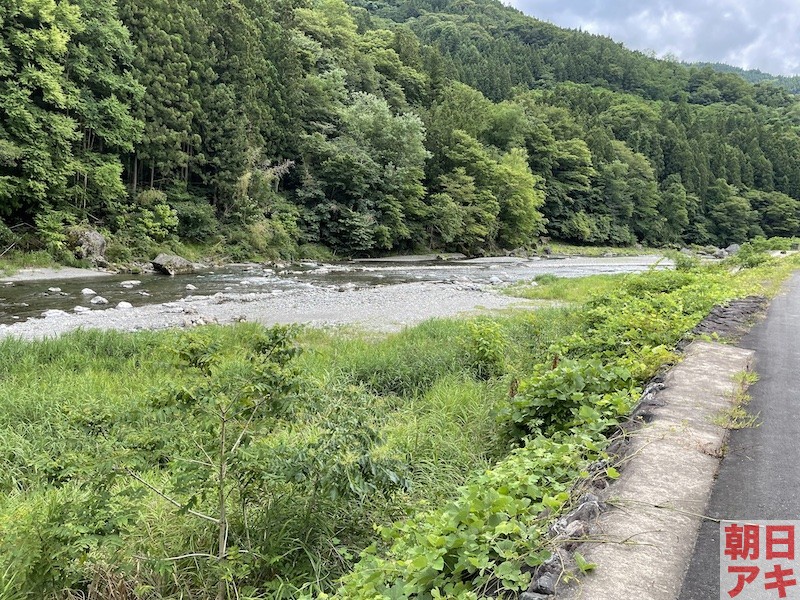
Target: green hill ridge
column 278, row 127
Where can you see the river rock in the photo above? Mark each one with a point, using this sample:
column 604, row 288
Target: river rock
column 88, row 292
column 124, row 305
column 191, row 287
column 172, row 264
column 546, row 584
column 90, row 245
column 54, row 290
column 99, row 300
column 131, row 283
column 720, row 254
column 495, row 280
column 733, row 248
column 54, row 313
column 79, row 310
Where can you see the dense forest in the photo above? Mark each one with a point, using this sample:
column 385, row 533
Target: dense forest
column 285, row 126
column 757, row 76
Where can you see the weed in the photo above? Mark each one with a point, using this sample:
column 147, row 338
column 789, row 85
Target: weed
column 737, row 416
column 397, row 432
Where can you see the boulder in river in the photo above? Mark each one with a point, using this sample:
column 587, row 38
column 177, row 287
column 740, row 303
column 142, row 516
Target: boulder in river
column 54, row 313
column 99, row 300
column 88, row 292
column 124, row 306
column 78, row 310
column 172, row 264
column 131, row 283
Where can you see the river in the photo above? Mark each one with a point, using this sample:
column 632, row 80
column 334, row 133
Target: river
column 302, row 292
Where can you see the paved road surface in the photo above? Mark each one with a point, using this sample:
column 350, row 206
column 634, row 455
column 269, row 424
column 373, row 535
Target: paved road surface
column 760, row 475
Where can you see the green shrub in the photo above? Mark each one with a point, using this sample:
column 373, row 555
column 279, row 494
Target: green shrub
column 196, row 220
column 492, row 530
column 570, row 394
column 51, row 227
column 752, row 255
column 486, row 346
column 683, row 262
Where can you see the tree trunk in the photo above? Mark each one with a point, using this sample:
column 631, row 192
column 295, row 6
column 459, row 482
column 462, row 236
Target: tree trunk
column 135, row 173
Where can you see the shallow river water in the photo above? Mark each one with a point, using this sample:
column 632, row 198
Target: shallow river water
column 21, row 300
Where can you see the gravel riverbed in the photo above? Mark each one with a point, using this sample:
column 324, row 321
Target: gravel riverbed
column 385, row 308
column 382, row 295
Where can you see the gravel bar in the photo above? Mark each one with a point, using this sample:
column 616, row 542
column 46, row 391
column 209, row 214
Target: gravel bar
column 384, row 308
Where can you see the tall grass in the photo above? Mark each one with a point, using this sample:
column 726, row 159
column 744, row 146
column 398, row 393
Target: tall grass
column 78, row 410
column 564, row 289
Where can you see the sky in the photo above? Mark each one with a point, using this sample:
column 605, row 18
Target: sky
column 753, row 34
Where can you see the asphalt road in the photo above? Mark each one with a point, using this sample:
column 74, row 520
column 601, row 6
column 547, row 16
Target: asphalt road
column 759, row 478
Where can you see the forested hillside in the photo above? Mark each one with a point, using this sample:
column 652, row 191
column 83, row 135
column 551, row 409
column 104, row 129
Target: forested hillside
column 273, row 127
column 756, row 76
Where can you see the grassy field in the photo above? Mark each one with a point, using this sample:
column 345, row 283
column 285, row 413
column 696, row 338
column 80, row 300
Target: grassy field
column 243, row 462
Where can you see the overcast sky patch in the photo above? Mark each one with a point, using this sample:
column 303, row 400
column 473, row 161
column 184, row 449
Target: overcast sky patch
column 760, row 34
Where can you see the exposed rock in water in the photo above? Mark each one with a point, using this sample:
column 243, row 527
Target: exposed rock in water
column 99, row 300
column 81, row 310
column 171, row 264
column 53, row 313
column 88, row 292
column 124, row 305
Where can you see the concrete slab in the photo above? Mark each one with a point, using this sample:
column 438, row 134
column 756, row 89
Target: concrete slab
column 646, row 539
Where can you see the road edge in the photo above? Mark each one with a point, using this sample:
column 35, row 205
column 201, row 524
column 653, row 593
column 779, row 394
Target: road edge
column 642, row 545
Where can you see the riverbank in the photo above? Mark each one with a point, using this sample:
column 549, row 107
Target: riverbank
column 435, row 429
column 385, row 308
column 50, row 273
column 382, row 296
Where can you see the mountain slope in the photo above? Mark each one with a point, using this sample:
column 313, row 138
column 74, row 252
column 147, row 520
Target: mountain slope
column 273, row 127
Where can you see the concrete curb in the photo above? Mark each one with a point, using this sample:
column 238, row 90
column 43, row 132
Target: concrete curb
column 643, row 545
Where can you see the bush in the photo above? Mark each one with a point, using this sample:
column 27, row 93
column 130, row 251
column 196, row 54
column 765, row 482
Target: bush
column 486, row 346
column 569, row 394
column 751, row 255
column 683, row 262
column 51, row 227
column 196, row 220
